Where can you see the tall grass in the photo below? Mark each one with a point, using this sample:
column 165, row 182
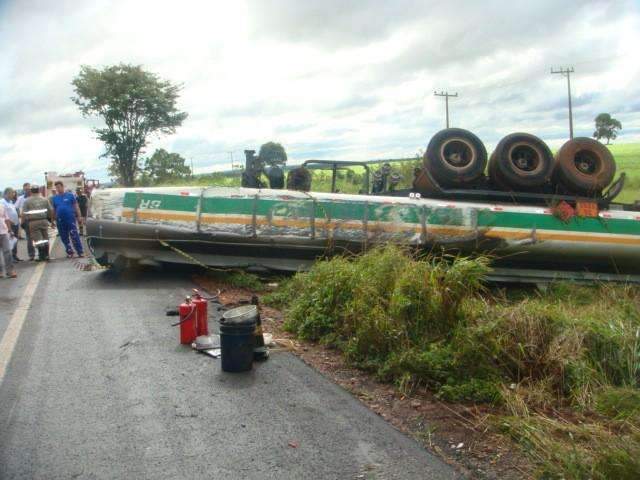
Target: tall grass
column 429, row 323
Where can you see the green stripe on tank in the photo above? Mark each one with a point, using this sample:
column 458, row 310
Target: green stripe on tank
column 335, row 210
column 159, row 201
column 548, row 222
column 342, row 210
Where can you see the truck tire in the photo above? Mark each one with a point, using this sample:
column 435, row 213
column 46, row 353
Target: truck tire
column 455, row 157
column 299, row 179
column 584, row 166
column 521, row 162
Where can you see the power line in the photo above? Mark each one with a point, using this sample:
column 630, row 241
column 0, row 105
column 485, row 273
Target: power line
column 446, row 96
column 567, row 73
column 531, row 77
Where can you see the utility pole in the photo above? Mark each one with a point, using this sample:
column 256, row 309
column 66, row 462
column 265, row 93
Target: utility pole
column 446, row 96
column 191, row 167
column 233, row 166
column 567, row 73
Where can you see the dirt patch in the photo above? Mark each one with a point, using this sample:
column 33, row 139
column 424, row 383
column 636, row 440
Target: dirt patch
column 459, row 434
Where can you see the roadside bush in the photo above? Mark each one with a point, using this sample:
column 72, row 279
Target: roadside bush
column 245, row 280
column 389, row 312
column 428, row 323
column 430, row 366
column 575, row 451
column 317, row 298
column 473, row 390
column 532, row 341
column 613, row 347
column 618, row 403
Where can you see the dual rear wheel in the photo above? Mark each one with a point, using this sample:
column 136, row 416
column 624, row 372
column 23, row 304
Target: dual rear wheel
column 521, row 162
column 456, row 158
column 584, row 166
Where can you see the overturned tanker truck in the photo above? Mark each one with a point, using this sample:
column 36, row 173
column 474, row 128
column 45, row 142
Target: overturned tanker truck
column 539, row 217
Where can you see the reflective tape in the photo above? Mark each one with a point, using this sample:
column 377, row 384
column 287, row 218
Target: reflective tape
column 34, row 212
column 40, row 242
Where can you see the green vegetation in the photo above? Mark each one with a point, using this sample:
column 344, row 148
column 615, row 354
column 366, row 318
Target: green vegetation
column 348, row 180
column 209, row 180
column 272, row 153
column 351, row 180
column 134, row 105
column 606, row 127
column 237, row 279
column 562, row 367
column 627, row 157
column 163, row 167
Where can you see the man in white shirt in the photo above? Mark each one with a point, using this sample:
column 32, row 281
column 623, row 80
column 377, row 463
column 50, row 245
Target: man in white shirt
column 26, row 191
column 12, row 213
column 5, row 243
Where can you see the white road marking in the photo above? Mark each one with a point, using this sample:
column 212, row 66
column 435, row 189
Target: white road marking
column 11, row 334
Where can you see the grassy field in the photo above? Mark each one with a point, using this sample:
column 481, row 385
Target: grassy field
column 627, row 158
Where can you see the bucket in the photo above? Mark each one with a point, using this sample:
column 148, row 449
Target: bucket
column 237, row 338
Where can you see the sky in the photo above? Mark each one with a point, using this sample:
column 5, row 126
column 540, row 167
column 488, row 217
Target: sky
column 337, row 79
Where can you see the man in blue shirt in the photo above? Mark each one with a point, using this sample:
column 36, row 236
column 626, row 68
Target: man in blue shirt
column 66, row 212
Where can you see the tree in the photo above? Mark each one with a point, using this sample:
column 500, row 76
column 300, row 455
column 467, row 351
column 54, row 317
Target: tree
column 134, row 105
column 272, row 154
column 606, row 127
column 163, row 166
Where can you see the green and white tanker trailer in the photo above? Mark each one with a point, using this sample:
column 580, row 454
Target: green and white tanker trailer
column 539, row 217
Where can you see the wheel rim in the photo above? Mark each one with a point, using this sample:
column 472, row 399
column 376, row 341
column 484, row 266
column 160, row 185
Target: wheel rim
column 457, row 153
column 525, row 159
column 586, row 162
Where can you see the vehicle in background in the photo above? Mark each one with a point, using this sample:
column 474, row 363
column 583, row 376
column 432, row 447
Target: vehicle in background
column 71, row 182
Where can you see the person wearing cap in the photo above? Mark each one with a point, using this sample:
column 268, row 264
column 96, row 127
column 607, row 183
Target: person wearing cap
column 36, row 214
column 26, row 191
column 66, row 212
column 5, row 242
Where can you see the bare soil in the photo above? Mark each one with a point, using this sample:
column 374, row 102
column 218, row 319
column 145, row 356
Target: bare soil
column 462, row 435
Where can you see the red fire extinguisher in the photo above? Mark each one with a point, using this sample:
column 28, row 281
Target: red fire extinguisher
column 202, row 315
column 187, row 311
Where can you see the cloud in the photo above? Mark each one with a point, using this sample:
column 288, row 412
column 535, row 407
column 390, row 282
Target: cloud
column 347, row 79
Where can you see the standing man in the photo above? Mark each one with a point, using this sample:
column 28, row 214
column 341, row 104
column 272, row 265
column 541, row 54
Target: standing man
column 36, row 214
column 26, row 191
column 10, row 210
column 83, row 203
column 66, row 212
column 5, row 243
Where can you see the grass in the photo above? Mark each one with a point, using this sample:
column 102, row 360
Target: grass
column 627, row 157
column 562, row 368
column 237, row 279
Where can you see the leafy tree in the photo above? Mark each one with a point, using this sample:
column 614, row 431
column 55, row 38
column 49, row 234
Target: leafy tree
column 272, row 154
column 163, row 166
column 606, row 127
column 134, row 105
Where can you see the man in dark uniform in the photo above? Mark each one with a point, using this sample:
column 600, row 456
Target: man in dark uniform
column 26, row 192
column 83, row 204
column 36, row 215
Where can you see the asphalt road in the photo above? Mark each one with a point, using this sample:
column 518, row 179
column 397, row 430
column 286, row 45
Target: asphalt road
column 97, row 386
